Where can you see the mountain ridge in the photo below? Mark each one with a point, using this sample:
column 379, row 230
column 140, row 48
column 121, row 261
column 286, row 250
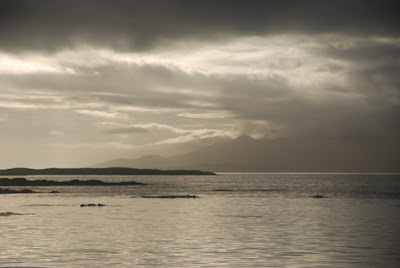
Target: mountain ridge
column 247, row 154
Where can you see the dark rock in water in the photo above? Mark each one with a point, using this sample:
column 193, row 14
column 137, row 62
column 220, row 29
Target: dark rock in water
column 170, row 196
column 92, row 205
column 318, row 196
column 10, row 191
column 8, row 214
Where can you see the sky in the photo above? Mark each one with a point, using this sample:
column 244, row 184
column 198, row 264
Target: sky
column 86, row 81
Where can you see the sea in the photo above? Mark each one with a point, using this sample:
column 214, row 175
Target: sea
column 237, row 220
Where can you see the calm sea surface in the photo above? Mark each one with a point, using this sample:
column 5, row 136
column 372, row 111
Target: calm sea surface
column 241, row 220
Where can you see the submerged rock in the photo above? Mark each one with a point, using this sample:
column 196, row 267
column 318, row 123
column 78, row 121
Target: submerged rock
column 222, row 190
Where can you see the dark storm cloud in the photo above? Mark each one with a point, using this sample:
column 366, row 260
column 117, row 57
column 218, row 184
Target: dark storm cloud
column 374, row 112
column 365, row 51
column 138, row 25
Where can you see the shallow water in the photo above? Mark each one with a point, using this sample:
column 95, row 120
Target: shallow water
column 241, row 220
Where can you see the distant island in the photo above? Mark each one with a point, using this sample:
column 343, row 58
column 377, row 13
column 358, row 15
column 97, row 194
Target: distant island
column 25, row 182
column 99, row 171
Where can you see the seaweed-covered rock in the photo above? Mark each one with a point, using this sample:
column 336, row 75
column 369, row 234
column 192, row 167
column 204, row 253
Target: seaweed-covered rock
column 92, row 205
column 170, row 196
column 11, row 191
column 318, row 196
column 8, row 213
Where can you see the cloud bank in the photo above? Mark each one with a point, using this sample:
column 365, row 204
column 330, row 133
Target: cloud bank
column 116, row 75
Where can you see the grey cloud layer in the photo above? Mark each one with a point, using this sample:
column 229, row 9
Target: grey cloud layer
column 366, row 105
column 138, row 25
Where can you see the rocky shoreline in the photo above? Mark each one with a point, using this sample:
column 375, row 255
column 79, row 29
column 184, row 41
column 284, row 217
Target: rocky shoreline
column 11, row 191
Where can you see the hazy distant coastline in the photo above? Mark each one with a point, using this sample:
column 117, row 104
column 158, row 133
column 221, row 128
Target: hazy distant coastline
column 99, row 171
column 25, row 182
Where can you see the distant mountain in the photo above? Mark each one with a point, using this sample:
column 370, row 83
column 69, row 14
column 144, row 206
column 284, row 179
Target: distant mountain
column 246, row 154
column 147, row 161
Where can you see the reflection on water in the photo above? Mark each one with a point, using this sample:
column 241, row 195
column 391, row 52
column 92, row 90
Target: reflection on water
column 243, row 227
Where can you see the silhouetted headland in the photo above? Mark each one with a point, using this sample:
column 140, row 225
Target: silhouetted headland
column 25, row 182
column 99, row 171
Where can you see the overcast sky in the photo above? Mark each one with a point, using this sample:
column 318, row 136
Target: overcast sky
column 84, row 81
